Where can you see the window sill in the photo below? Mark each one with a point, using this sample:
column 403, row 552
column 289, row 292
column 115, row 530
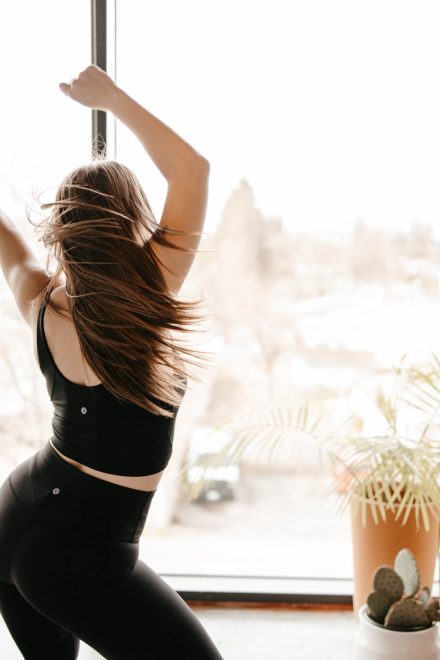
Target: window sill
column 261, row 589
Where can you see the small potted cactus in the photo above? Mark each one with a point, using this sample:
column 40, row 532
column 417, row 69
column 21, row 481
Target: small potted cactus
column 396, row 607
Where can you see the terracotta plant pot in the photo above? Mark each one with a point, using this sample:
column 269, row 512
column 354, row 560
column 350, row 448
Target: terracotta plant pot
column 377, row 544
column 374, row 642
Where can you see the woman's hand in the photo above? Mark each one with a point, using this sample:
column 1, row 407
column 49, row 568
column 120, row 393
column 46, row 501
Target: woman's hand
column 93, row 88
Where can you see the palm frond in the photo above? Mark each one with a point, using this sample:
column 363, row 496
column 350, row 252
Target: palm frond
column 262, row 432
column 385, row 472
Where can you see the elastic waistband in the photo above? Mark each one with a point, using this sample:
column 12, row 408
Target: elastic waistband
column 59, row 493
column 91, row 483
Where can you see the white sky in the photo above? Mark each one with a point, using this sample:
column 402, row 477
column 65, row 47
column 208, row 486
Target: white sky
column 330, row 108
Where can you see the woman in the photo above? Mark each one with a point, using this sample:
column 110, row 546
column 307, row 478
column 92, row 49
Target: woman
column 72, row 514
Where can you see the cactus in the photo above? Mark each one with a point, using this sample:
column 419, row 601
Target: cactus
column 378, row 605
column 394, row 603
column 389, row 582
column 424, row 595
column 406, row 566
column 407, row 613
column 433, row 608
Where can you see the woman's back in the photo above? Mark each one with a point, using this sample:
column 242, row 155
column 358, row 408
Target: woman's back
column 63, row 342
column 56, row 343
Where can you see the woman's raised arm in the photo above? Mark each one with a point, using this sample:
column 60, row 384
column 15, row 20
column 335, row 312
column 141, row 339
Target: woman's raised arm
column 186, row 170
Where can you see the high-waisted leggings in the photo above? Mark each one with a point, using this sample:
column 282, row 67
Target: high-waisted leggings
column 70, row 570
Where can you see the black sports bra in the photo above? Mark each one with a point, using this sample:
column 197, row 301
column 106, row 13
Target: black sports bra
column 92, row 426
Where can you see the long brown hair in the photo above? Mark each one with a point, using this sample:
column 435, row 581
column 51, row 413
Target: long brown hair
column 123, row 312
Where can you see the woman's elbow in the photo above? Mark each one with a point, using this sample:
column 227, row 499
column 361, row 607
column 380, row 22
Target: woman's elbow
column 203, row 163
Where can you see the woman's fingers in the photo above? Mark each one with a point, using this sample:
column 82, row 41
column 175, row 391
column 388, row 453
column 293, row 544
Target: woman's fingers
column 64, row 87
column 93, row 88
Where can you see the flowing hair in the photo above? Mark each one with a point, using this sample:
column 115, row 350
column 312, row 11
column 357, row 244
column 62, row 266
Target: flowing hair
column 121, row 307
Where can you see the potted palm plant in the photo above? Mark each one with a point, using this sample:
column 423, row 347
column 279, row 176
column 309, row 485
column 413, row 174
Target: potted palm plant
column 390, row 480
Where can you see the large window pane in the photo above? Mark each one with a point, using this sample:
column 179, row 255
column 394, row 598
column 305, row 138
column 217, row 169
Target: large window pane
column 43, row 135
column 320, row 121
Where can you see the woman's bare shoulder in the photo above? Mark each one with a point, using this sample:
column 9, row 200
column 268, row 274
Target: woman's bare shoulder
column 59, row 297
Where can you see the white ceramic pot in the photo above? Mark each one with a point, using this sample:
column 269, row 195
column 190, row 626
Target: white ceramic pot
column 374, row 642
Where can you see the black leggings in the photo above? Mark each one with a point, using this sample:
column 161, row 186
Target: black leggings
column 69, row 570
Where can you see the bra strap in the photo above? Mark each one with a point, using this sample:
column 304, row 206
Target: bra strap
column 43, row 353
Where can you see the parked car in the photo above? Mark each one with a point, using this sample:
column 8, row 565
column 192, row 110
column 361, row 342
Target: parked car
column 221, row 478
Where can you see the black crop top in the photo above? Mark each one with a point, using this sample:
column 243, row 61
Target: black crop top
column 92, row 426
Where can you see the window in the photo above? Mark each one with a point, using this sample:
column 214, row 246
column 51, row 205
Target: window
column 320, row 121
column 43, row 135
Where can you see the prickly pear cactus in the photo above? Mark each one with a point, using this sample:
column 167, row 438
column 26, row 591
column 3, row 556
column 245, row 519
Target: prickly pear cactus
column 394, row 603
column 389, row 582
column 433, row 609
column 405, row 565
column 425, row 595
column 378, row 605
column 407, row 613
